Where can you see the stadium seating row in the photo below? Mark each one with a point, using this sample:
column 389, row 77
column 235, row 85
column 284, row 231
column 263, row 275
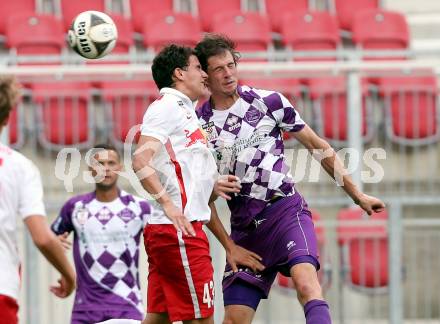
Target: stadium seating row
column 138, row 10
column 364, row 252
column 28, row 33
column 65, row 114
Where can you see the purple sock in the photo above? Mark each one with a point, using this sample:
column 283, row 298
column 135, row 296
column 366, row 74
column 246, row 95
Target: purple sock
column 317, row 312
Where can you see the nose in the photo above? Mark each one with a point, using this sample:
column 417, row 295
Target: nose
column 228, row 72
column 204, row 75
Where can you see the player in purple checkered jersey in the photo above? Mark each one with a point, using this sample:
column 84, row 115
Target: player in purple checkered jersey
column 244, row 126
column 107, row 225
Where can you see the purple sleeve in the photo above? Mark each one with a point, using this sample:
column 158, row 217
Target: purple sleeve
column 63, row 223
column 285, row 115
column 146, row 211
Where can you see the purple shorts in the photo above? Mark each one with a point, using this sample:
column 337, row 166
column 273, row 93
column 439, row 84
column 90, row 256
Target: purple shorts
column 96, row 316
column 283, row 234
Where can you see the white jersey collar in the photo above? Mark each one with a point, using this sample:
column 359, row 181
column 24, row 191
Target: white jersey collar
column 179, row 94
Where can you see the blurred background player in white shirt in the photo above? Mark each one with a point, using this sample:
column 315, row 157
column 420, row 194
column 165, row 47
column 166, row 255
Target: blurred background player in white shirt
column 107, row 225
column 21, row 193
column 176, row 167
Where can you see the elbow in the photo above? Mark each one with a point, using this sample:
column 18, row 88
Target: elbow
column 137, row 163
column 44, row 242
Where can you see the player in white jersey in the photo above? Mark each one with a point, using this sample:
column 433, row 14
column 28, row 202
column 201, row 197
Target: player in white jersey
column 180, row 280
column 21, row 194
column 268, row 216
column 107, row 225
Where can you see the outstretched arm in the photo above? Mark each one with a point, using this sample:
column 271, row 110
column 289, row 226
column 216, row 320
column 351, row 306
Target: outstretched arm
column 236, row 255
column 326, row 155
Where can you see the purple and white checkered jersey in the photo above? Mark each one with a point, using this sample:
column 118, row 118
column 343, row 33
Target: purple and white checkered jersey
column 106, row 250
column 247, row 139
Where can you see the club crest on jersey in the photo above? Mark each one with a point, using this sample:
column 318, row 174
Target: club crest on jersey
column 252, row 117
column 210, row 131
column 82, row 215
column 232, row 122
column 126, row 215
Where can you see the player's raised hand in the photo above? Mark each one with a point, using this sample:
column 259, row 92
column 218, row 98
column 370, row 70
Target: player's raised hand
column 64, row 288
column 64, row 241
column 238, row 255
column 179, row 220
column 370, row 204
column 226, row 184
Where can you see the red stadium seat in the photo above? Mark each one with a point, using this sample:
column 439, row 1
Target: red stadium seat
column 65, row 114
column 379, row 30
column 330, row 106
column 310, row 31
column 364, row 250
column 9, row 8
column 126, row 105
column 289, row 87
column 141, row 9
column 276, row 9
column 324, row 275
column 249, row 30
column 41, row 35
column 208, row 8
column 411, row 109
column 346, row 10
column 163, row 29
column 70, row 9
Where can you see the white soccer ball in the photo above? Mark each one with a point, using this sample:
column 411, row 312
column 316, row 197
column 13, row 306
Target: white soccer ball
column 93, row 34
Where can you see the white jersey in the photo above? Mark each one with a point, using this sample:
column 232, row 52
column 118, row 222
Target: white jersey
column 21, row 193
column 185, row 166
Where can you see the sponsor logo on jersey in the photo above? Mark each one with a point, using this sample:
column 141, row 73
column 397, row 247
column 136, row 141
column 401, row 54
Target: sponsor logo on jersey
column 232, row 122
column 82, row 215
column 195, row 137
column 210, row 131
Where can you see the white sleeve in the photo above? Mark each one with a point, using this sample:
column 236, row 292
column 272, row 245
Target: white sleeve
column 30, row 192
column 158, row 121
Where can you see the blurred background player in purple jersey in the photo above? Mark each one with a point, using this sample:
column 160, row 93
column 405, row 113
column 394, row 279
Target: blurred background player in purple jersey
column 107, row 225
column 268, row 216
column 21, row 194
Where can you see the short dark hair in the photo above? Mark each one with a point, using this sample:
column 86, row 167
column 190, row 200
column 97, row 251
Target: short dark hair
column 106, row 147
column 169, row 58
column 215, row 44
column 9, row 94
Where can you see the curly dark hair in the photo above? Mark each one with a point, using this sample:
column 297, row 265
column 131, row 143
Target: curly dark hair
column 170, row 58
column 215, row 44
column 9, row 94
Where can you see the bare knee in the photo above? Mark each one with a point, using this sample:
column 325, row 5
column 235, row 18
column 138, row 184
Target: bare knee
column 306, row 282
column 238, row 314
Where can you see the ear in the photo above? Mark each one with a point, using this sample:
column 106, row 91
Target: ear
column 178, row 74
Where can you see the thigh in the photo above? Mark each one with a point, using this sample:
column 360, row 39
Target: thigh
column 156, row 318
column 8, row 310
column 185, row 273
column 297, row 241
column 238, row 314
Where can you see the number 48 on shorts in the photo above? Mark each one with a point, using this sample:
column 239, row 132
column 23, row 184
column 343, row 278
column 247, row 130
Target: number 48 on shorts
column 208, row 294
